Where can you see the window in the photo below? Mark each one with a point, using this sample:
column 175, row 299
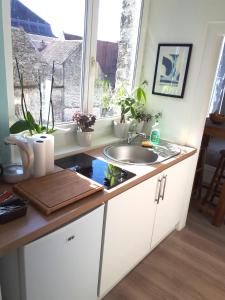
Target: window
column 217, row 101
column 93, row 45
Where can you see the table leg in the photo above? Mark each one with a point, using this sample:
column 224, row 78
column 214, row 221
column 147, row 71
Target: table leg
column 218, row 218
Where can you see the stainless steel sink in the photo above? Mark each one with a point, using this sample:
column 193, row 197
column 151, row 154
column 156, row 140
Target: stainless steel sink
column 135, row 154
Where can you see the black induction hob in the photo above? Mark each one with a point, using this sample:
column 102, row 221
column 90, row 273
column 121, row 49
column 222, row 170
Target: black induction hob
column 95, row 169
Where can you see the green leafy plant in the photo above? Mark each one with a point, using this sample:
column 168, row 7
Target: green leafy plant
column 140, row 116
column 112, row 174
column 28, row 122
column 140, row 98
column 104, row 88
column 148, row 117
column 106, row 93
column 132, row 103
column 157, row 116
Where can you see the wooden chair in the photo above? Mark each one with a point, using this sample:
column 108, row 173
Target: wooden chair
column 198, row 181
column 214, row 189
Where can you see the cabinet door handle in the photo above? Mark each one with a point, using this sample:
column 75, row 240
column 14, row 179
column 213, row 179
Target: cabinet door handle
column 164, row 180
column 70, row 238
column 158, row 188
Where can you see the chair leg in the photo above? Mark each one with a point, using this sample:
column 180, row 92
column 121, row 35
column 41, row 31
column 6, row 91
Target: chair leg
column 214, row 182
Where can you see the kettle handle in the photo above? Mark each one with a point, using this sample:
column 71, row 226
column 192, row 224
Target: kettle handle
column 25, row 149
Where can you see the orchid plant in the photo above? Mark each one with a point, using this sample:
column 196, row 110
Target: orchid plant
column 27, row 121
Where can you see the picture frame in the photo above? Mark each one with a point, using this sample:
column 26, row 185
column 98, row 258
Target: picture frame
column 171, row 69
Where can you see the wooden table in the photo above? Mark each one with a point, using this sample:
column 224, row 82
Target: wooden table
column 217, row 130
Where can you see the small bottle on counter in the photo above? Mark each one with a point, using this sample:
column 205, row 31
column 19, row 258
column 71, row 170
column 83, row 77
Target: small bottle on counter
column 155, row 133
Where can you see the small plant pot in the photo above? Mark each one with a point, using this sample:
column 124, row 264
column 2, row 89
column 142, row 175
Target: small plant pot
column 84, row 139
column 148, row 127
column 121, row 129
column 139, row 126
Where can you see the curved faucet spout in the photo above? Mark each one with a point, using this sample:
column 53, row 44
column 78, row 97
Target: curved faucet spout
column 133, row 136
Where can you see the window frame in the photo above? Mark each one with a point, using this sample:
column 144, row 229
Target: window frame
column 89, row 55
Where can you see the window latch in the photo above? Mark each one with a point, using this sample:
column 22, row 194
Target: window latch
column 93, row 61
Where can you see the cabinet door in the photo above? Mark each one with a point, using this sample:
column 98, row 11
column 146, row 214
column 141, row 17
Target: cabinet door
column 65, row 263
column 128, row 229
column 169, row 207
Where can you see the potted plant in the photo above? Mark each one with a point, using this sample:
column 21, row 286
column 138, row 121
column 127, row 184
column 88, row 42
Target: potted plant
column 140, row 119
column 27, row 121
column 84, row 123
column 150, row 120
column 129, row 104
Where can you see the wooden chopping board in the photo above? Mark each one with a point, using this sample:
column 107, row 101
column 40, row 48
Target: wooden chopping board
column 54, row 191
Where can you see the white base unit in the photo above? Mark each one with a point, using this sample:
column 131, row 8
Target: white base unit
column 63, row 264
column 140, row 218
column 128, row 229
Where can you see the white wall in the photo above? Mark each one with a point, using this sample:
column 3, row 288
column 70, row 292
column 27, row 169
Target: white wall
column 200, row 22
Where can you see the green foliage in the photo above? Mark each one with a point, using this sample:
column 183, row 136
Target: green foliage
column 27, row 124
column 140, row 116
column 106, row 96
column 157, row 116
column 19, row 126
column 148, row 117
column 112, row 174
column 132, row 103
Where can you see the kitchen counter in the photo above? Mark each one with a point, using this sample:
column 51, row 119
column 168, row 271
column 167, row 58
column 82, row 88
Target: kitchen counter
column 34, row 225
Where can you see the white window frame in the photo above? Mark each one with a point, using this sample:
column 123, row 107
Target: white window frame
column 89, row 57
column 90, row 48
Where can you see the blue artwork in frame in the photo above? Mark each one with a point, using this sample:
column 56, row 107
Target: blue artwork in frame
column 171, row 69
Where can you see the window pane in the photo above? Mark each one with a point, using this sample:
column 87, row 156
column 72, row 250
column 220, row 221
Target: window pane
column 116, row 51
column 217, row 103
column 43, row 32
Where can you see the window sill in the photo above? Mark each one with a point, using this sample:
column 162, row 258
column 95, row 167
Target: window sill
column 66, row 144
column 74, row 148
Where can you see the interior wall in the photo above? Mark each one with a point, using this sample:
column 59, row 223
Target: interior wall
column 4, row 124
column 200, row 22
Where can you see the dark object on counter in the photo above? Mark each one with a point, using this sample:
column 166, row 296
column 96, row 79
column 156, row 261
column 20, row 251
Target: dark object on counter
column 12, row 209
column 96, row 169
column 217, row 118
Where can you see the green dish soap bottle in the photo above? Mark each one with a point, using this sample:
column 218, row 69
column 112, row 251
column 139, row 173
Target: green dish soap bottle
column 155, row 133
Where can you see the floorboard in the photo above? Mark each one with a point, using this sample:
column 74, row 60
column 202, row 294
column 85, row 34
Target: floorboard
column 188, row 265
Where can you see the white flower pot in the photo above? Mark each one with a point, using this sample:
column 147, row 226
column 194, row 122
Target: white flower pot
column 121, row 129
column 139, row 126
column 148, row 127
column 84, row 138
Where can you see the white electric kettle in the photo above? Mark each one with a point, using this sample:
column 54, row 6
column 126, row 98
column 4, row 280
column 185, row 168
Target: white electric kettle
column 14, row 173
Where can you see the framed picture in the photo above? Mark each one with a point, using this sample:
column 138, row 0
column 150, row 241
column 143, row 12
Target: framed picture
column 171, row 69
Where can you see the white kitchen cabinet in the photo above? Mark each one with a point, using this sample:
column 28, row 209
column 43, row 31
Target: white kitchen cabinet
column 136, row 222
column 173, row 187
column 128, row 229
column 63, row 264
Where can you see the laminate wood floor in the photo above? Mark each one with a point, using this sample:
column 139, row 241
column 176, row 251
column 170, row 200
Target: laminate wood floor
column 188, row 265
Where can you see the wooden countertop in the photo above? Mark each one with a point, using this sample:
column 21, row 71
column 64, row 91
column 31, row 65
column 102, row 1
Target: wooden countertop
column 34, row 225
